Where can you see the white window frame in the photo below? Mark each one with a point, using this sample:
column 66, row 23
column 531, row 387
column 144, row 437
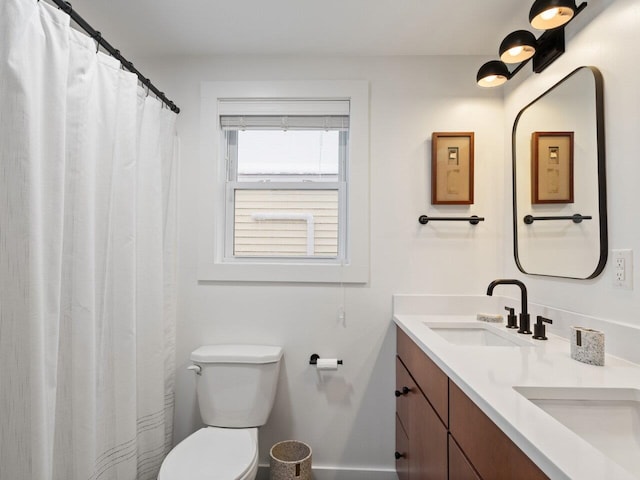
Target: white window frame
column 213, row 264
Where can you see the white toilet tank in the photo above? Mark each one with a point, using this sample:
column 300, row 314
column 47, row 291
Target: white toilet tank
column 236, row 384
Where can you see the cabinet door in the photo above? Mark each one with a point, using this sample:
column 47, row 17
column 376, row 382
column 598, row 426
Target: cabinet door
column 492, row 453
column 427, row 441
column 459, row 466
column 404, row 382
column 418, row 424
column 402, row 452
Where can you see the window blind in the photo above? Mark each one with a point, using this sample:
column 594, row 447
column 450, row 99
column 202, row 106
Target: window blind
column 285, row 122
column 282, row 106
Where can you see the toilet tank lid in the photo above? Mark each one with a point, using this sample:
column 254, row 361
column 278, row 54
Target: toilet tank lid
column 237, row 354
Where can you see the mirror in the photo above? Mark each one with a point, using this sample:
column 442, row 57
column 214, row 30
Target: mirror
column 559, row 190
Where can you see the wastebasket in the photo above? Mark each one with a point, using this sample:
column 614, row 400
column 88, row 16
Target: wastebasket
column 290, row 460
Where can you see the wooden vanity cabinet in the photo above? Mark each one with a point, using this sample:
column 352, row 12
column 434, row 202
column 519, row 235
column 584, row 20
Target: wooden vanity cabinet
column 441, row 434
column 422, row 409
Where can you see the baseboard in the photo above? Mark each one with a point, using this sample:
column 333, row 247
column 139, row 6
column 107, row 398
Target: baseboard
column 332, row 473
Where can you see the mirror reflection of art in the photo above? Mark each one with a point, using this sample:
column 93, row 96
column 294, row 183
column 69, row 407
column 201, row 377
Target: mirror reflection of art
column 452, row 168
column 552, row 167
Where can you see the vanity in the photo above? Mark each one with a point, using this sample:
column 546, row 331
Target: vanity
column 490, row 405
column 441, row 433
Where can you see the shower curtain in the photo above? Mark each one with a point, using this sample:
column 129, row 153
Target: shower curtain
column 87, row 250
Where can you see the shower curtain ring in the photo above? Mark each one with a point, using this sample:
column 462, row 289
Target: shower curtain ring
column 69, row 9
column 97, row 37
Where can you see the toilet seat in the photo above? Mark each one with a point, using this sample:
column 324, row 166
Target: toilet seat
column 213, row 453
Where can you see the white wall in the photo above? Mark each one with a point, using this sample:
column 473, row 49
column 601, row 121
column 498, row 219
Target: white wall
column 347, row 417
column 605, row 42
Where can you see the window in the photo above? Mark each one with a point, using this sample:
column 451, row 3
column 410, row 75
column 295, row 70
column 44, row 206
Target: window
column 290, row 172
column 286, row 186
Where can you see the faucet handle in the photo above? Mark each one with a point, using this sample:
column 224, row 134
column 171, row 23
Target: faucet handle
column 512, row 320
column 539, row 329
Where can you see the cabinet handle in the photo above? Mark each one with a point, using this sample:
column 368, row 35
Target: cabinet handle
column 404, row 391
column 400, row 455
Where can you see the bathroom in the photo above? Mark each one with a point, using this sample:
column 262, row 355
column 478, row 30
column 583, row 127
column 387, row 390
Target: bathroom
column 347, row 415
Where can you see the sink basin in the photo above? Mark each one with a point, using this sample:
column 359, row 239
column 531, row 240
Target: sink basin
column 476, row 334
column 607, row 418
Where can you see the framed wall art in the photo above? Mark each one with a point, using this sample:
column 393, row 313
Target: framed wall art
column 552, row 167
column 452, row 168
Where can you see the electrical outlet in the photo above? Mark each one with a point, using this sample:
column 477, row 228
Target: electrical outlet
column 623, row 269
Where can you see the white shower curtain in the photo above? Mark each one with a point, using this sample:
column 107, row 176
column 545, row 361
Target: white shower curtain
column 87, row 258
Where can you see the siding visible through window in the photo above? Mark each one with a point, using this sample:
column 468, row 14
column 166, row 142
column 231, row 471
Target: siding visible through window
column 271, row 237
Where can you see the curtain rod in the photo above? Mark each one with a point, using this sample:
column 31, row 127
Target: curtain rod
column 97, row 36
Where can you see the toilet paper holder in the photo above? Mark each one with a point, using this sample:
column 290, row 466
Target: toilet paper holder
column 313, row 360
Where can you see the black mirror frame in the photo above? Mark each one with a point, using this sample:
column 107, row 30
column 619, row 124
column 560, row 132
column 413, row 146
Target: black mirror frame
column 602, row 182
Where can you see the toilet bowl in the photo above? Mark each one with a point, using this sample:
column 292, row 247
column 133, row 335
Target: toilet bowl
column 236, row 388
column 214, row 453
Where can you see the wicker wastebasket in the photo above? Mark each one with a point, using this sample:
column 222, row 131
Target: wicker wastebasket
column 290, row 460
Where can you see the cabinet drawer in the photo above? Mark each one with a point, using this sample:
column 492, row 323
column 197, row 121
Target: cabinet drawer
column 427, row 442
column 402, row 447
column 403, row 379
column 432, row 381
column 459, row 466
column 489, row 450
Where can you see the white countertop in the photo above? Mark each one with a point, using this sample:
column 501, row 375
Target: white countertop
column 488, row 374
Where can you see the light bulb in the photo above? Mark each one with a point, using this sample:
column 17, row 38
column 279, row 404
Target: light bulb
column 549, row 14
column 515, row 51
column 492, row 81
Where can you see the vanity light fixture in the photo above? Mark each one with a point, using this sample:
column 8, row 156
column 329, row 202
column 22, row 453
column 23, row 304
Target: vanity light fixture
column 549, row 14
column 518, row 46
column 493, row 74
column 521, row 46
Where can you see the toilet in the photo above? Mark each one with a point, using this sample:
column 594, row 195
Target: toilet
column 236, row 387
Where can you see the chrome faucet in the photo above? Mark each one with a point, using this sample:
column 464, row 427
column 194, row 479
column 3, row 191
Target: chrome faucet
column 524, row 316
